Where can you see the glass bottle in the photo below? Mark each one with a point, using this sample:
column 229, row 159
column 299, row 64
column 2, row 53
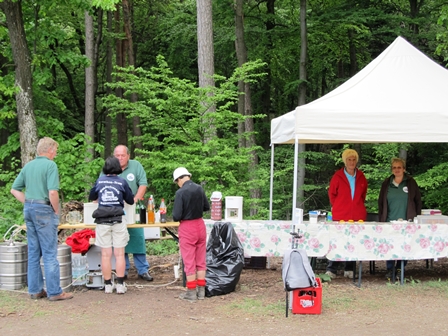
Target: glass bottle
column 142, row 211
column 162, row 210
column 137, row 212
column 151, row 213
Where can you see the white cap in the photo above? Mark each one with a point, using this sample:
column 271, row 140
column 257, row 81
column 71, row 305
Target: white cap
column 181, row 171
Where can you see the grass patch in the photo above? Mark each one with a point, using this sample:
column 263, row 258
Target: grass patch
column 255, row 307
column 162, row 247
column 11, row 302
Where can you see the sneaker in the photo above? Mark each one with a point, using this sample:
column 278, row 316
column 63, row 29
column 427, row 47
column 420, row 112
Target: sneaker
column 330, row 274
column 121, row 288
column 109, row 289
column 348, row 274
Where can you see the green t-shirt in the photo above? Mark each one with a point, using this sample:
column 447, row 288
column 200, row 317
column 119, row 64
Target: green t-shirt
column 397, row 200
column 135, row 175
column 38, row 177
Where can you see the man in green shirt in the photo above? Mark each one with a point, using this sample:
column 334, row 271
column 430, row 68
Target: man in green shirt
column 135, row 175
column 40, row 179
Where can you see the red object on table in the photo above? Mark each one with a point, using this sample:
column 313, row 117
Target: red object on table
column 80, row 240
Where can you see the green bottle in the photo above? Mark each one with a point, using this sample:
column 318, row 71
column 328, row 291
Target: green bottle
column 137, row 212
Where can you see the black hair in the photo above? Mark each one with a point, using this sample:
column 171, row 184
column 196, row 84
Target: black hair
column 181, row 177
column 112, row 166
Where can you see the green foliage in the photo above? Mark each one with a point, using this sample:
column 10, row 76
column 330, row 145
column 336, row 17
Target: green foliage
column 162, row 247
column 178, row 130
column 77, row 170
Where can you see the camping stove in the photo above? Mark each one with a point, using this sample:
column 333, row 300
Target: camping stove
column 96, row 280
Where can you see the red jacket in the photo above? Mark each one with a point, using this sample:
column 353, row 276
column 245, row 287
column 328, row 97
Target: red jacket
column 343, row 206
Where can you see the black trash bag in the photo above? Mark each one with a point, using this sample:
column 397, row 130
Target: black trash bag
column 225, row 260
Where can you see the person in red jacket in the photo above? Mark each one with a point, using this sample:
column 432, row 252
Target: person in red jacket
column 347, row 193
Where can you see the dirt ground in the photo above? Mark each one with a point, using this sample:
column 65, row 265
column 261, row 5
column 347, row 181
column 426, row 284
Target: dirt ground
column 257, row 307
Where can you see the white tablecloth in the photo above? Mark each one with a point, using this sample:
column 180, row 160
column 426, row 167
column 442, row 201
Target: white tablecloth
column 357, row 241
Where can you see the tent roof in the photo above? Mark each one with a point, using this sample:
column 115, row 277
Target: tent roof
column 401, row 96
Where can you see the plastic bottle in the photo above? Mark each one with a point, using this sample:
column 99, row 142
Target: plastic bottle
column 79, row 269
column 151, row 213
column 162, row 210
column 137, row 212
column 142, row 211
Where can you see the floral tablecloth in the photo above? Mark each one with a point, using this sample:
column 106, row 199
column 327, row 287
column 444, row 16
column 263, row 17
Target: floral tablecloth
column 358, row 241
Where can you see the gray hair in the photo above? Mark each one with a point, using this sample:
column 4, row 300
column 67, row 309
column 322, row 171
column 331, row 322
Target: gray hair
column 45, row 144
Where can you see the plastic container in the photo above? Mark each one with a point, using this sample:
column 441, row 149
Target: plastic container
column 80, row 269
column 216, row 208
column 234, row 208
column 313, row 216
column 432, row 219
column 307, row 300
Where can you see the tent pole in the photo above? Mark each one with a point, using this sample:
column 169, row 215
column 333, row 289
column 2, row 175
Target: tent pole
column 271, row 183
column 294, row 190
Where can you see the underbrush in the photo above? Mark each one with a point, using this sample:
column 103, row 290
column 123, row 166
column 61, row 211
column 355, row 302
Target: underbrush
column 162, row 247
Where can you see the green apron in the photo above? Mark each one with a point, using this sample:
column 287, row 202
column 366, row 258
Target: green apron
column 136, row 242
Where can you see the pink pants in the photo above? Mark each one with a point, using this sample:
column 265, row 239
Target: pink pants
column 192, row 241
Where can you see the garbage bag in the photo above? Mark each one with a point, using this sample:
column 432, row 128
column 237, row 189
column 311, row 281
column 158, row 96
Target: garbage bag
column 225, row 260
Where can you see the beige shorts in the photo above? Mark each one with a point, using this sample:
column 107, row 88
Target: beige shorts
column 111, row 235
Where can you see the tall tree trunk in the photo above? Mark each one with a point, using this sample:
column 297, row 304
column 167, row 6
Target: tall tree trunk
column 244, row 103
column 89, row 121
column 241, row 55
column 23, row 79
column 302, row 101
column 131, row 61
column 266, row 94
column 121, row 120
column 108, row 119
column 206, row 65
column 352, row 47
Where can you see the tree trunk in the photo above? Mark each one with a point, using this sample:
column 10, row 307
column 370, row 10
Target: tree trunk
column 89, row 82
column 131, row 61
column 206, row 67
column 244, row 103
column 23, row 79
column 108, row 119
column 241, row 55
column 121, row 120
column 302, row 101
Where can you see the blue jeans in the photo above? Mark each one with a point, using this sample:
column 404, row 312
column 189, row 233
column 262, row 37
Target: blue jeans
column 332, row 266
column 140, row 262
column 42, row 235
column 390, row 264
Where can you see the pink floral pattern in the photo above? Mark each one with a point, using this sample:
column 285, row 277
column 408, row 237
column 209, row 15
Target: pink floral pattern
column 344, row 241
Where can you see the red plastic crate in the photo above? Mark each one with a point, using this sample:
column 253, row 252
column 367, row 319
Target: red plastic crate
column 307, row 300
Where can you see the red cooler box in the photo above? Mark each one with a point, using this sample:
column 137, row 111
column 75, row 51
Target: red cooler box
column 307, row 300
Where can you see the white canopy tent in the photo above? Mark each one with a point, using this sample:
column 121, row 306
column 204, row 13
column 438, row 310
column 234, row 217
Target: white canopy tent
column 401, row 96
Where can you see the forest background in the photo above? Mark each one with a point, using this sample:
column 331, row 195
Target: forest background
column 195, row 83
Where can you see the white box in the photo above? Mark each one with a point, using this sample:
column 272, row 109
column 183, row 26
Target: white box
column 234, row 208
column 94, row 258
column 152, row 232
column 89, row 208
column 129, row 217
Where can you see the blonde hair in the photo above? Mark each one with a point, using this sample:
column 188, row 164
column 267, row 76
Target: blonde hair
column 347, row 153
column 402, row 161
column 45, row 144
